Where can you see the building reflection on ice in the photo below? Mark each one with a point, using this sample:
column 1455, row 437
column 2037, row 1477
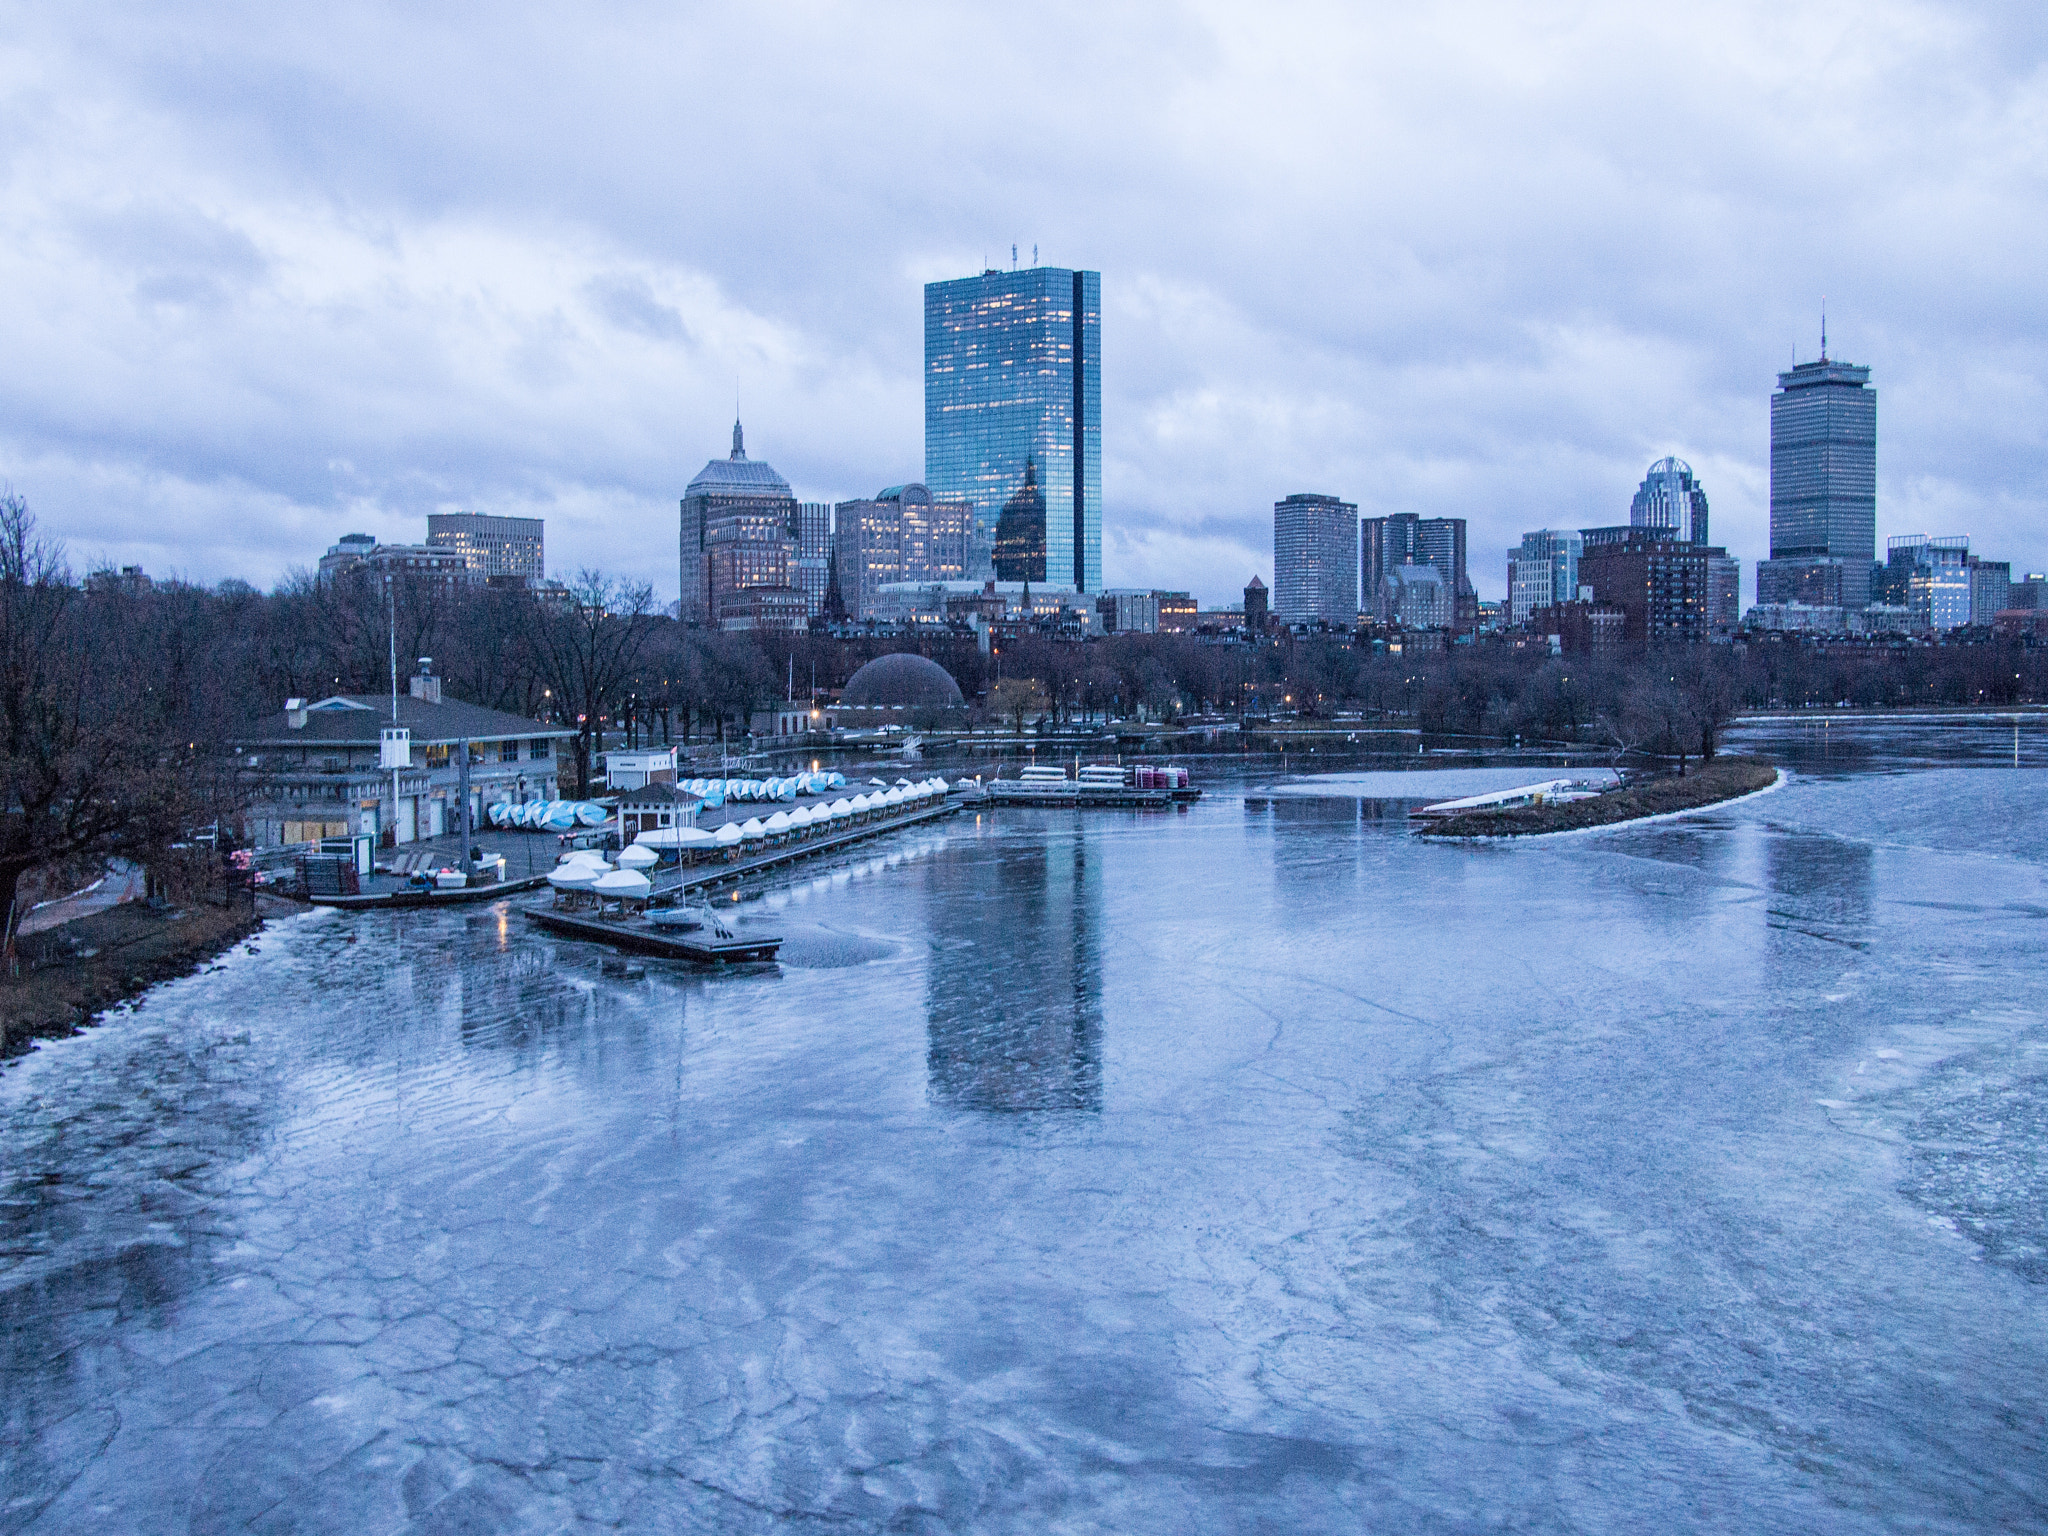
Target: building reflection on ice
column 1014, row 1016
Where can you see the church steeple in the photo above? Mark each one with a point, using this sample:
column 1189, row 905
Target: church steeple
column 739, row 443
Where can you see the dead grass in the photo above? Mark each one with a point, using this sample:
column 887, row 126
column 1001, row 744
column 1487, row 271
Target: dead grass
column 1724, row 778
column 73, row 972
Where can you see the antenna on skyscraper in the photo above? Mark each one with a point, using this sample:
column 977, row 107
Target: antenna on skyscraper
column 1013, row 255
column 1034, row 253
column 1823, row 327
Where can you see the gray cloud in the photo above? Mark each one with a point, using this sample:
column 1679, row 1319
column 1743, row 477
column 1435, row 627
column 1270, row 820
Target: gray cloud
column 278, row 275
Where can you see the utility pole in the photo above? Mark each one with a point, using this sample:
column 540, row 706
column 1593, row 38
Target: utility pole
column 462, row 782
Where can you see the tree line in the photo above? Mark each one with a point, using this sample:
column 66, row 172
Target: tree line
column 116, row 703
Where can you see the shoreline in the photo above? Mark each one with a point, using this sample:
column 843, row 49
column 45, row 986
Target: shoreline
column 77, row 971
column 1739, row 780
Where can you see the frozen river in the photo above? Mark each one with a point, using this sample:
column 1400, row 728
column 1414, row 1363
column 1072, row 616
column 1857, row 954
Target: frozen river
column 1253, row 1168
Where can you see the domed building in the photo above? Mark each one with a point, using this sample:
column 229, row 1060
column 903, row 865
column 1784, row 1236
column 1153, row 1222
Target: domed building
column 901, row 681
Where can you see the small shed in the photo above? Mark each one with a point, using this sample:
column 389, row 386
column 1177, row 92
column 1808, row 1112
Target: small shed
column 655, row 807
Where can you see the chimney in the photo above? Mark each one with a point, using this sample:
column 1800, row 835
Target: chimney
column 426, row 685
column 295, row 714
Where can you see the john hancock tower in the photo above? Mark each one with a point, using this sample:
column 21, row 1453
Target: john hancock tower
column 1013, row 379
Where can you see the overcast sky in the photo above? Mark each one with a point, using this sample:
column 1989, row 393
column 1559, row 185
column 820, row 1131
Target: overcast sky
column 273, row 274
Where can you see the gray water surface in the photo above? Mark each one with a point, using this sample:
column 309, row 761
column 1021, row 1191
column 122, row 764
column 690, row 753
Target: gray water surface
column 1253, row 1168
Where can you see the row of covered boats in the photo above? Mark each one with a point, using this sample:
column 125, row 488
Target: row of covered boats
column 736, row 839
column 547, row 815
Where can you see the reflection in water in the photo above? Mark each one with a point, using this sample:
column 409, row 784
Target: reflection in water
column 1820, row 886
column 1014, row 1016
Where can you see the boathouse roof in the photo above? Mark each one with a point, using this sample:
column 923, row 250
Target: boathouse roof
column 361, row 718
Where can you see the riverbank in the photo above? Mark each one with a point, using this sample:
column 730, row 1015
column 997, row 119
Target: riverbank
column 72, row 973
column 1711, row 783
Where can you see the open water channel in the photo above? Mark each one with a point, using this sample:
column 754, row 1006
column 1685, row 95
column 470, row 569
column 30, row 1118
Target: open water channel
column 1259, row 1167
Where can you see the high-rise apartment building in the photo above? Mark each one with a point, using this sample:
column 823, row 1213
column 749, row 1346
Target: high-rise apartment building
column 901, row 534
column 1665, row 589
column 1823, row 486
column 810, row 561
column 1990, row 589
column 1404, row 538
column 737, row 517
column 1012, row 384
column 1315, row 561
column 1724, row 594
column 1670, row 499
column 500, row 548
column 1543, row 571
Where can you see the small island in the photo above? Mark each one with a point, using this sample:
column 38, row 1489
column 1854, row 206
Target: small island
column 1709, row 783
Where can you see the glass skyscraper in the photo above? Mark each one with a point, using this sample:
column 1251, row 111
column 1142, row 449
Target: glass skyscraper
column 1543, row 572
column 1823, row 485
column 1013, row 378
column 1670, row 498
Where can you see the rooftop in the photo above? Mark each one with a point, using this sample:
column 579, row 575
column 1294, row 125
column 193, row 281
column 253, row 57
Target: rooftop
column 738, row 475
column 361, row 719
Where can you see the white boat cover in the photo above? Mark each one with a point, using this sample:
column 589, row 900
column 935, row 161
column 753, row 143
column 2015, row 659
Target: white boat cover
column 753, row 829
column 779, row 822
column 728, row 834
column 572, row 877
column 624, row 884
column 639, row 856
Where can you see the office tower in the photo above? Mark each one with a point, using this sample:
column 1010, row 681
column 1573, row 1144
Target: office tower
column 1406, row 539
column 810, row 561
column 1315, row 561
column 1017, row 552
column 1670, row 499
column 1012, row 381
column 505, row 548
column 1929, row 576
column 1823, row 486
column 1543, row 571
column 743, row 510
column 901, row 534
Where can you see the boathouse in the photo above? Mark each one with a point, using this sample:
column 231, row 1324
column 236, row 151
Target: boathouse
column 326, row 768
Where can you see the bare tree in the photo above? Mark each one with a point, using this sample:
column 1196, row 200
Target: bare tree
column 91, row 760
column 585, row 647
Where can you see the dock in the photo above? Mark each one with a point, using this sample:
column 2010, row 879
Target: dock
column 640, row 937
column 1086, row 796
column 705, row 877
column 384, row 901
column 696, row 877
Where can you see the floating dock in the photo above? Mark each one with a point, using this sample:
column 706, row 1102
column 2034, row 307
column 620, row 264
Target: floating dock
column 1088, row 796
column 382, row 901
column 638, row 936
column 704, row 877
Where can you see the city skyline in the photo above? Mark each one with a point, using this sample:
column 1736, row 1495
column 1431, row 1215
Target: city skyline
column 250, row 319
